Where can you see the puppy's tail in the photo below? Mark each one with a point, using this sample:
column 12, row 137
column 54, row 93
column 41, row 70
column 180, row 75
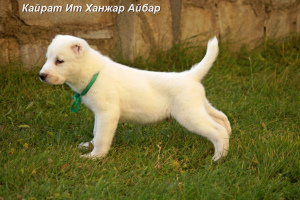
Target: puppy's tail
column 199, row 70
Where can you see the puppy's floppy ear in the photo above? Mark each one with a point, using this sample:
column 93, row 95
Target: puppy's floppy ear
column 79, row 46
column 76, row 49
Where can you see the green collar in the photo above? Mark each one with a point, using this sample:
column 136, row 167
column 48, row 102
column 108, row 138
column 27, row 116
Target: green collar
column 77, row 97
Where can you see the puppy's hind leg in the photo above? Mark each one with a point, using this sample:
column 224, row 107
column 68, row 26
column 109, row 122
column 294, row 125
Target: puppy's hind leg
column 218, row 116
column 197, row 120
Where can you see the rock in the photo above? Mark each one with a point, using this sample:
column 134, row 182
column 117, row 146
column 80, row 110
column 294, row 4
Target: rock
column 26, row 28
column 34, row 54
column 9, row 51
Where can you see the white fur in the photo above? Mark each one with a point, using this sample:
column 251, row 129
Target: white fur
column 125, row 94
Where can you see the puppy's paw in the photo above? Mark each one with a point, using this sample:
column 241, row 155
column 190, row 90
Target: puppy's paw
column 218, row 155
column 92, row 156
column 89, row 156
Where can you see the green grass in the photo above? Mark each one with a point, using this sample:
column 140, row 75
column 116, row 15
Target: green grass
column 258, row 90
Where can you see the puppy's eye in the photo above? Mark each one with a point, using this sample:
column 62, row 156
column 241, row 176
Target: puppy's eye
column 59, row 61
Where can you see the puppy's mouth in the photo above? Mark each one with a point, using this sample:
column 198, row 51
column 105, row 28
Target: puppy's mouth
column 52, row 80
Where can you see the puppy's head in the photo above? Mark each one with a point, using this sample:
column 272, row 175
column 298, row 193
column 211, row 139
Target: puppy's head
column 65, row 56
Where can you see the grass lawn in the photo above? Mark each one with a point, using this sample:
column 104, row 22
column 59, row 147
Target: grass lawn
column 258, row 90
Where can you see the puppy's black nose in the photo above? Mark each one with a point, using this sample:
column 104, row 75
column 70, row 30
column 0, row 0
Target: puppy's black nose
column 43, row 76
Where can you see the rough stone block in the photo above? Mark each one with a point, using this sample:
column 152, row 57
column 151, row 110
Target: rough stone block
column 282, row 2
column 98, row 34
column 34, row 54
column 298, row 21
column 4, row 52
column 240, row 21
column 5, row 5
column 278, row 24
column 153, row 32
column 197, row 19
column 143, row 32
column 9, row 51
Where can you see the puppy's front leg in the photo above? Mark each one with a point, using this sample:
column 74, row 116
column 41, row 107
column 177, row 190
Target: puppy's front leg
column 104, row 129
column 85, row 145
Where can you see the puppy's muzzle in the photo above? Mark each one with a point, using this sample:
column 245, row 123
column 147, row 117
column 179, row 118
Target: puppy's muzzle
column 43, row 76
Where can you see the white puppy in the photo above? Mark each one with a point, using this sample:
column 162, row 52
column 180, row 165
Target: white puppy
column 125, row 94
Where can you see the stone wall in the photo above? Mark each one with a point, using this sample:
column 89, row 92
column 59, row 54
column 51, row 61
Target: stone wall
column 137, row 27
